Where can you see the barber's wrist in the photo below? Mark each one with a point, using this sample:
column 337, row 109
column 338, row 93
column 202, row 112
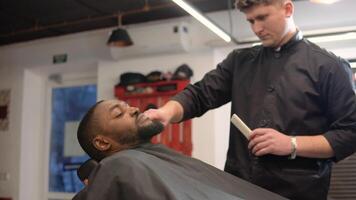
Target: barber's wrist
column 294, row 146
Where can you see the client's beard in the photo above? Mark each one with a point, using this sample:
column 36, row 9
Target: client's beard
column 145, row 133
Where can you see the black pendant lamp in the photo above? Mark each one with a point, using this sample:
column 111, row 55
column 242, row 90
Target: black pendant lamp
column 119, row 37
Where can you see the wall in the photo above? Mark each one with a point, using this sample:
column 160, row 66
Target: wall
column 24, row 68
column 10, row 140
column 31, row 154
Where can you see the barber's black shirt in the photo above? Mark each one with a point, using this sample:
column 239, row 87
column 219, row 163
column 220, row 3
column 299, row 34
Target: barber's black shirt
column 299, row 89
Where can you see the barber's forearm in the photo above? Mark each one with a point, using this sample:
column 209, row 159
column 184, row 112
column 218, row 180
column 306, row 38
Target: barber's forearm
column 314, row 147
column 174, row 110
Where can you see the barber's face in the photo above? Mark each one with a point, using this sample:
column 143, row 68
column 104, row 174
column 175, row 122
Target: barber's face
column 269, row 22
column 124, row 123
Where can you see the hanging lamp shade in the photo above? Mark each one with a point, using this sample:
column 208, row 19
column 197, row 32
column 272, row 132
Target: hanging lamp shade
column 119, row 38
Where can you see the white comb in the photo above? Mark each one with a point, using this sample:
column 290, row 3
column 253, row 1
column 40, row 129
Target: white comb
column 238, row 123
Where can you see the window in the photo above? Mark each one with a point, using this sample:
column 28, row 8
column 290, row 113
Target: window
column 69, row 97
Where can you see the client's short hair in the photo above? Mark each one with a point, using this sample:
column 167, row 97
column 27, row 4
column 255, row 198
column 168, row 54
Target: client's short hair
column 87, row 130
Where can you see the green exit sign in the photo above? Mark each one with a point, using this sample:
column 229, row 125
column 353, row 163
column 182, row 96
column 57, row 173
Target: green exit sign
column 60, row 58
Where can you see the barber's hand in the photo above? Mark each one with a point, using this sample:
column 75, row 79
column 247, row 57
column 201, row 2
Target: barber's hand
column 157, row 114
column 171, row 112
column 269, row 141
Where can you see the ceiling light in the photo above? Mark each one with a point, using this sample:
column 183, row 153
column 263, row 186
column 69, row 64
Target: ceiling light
column 201, row 18
column 332, row 38
column 119, row 37
column 353, row 65
column 324, row 1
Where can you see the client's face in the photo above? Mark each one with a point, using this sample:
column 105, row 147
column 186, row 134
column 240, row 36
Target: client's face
column 125, row 124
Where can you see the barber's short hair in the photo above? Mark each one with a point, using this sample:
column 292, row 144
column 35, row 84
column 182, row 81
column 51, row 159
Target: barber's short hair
column 87, row 130
column 243, row 5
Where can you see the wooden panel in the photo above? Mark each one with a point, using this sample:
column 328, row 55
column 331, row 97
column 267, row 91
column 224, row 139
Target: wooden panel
column 187, row 138
column 166, row 134
column 343, row 180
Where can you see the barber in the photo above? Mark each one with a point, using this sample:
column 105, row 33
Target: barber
column 296, row 97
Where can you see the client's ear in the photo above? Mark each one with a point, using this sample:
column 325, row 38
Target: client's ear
column 101, row 143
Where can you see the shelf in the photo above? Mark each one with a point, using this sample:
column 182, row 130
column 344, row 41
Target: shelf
column 143, row 90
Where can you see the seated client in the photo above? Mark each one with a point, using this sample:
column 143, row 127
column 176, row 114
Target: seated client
column 131, row 168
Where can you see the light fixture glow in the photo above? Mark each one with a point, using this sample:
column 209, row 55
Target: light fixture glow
column 197, row 15
column 353, row 65
column 256, row 44
column 331, row 38
column 324, row 1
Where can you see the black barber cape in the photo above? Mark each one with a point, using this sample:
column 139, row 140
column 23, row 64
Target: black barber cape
column 154, row 172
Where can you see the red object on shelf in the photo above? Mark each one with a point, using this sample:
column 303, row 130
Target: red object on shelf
column 143, row 95
column 156, row 87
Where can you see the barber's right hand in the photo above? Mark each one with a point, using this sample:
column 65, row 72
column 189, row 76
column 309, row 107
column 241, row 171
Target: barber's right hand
column 171, row 112
column 158, row 114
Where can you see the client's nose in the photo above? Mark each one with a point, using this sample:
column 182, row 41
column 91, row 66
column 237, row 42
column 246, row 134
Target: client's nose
column 134, row 111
